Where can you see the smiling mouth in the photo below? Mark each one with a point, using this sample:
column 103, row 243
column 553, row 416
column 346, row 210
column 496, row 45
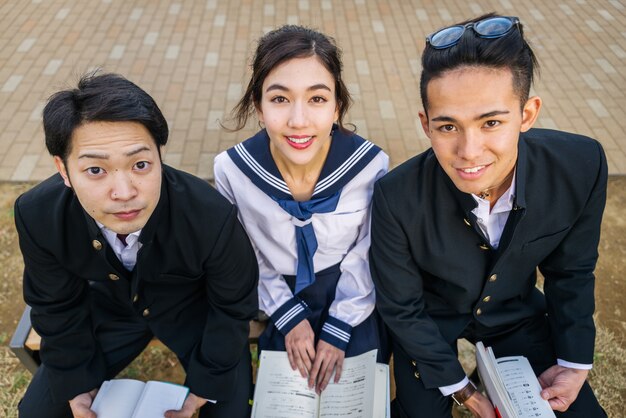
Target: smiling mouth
column 299, row 139
column 472, row 170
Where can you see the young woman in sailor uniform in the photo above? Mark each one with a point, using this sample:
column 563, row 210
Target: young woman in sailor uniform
column 303, row 187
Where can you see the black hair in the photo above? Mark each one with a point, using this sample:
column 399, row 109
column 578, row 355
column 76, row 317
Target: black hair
column 99, row 98
column 280, row 45
column 510, row 51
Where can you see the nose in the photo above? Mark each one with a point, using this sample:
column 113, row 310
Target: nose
column 298, row 117
column 470, row 145
column 123, row 187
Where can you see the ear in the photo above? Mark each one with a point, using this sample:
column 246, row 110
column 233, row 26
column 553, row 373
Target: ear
column 425, row 126
column 530, row 113
column 62, row 170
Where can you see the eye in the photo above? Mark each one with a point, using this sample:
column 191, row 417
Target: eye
column 492, row 123
column 318, row 99
column 94, row 171
column 278, row 99
column 142, row 165
column 447, row 128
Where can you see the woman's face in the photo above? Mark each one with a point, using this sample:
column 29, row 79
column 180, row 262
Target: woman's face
column 298, row 108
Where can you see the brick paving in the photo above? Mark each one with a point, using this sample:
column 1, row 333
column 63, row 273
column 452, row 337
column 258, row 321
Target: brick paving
column 193, row 56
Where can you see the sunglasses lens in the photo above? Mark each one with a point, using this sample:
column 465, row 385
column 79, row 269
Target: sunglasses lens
column 493, row 27
column 446, row 37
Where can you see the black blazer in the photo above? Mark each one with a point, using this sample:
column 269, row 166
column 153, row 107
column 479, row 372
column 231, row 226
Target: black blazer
column 194, row 284
column 435, row 271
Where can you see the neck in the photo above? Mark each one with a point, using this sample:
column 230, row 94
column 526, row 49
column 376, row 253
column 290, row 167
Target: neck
column 300, row 173
column 301, row 178
column 492, row 194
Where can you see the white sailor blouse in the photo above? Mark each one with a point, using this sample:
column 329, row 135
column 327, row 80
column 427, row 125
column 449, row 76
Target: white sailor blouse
column 301, row 238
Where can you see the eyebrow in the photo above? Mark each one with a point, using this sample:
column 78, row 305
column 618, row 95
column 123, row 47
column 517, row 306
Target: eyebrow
column 479, row 117
column 105, row 156
column 275, row 86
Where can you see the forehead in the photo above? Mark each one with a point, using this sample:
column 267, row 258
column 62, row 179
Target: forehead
column 472, row 89
column 109, row 136
column 300, row 72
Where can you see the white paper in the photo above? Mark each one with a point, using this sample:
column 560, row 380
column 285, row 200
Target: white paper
column 282, row 393
column 117, row 398
column 353, row 395
column 159, row 397
column 511, row 385
column 523, row 388
column 128, row 398
column 286, row 394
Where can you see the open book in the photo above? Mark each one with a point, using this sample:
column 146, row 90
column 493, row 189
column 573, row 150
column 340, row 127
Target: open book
column 511, row 385
column 362, row 391
column 128, row 398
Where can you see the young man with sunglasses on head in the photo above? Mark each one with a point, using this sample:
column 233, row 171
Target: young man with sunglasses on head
column 459, row 231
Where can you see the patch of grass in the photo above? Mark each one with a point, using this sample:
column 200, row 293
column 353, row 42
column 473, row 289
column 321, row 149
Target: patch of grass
column 13, row 382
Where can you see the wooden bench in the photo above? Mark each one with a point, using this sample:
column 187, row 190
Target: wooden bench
column 25, row 342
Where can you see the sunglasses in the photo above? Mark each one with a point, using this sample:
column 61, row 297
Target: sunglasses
column 489, row 28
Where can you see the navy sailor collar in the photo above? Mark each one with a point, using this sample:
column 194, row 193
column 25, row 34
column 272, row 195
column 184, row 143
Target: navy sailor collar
column 347, row 156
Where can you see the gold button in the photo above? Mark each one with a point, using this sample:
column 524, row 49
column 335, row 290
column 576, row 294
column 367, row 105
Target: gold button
column 414, row 363
column 467, row 222
column 493, row 277
column 486, row 298
column 135, row 298
column 483, row 246
column 479, row 311
column 114, row 276
column 146, row 312
column 417, row 375
column 97, row 245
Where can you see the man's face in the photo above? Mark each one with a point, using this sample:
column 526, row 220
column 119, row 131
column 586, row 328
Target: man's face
column 473, row 123
column 115, row 171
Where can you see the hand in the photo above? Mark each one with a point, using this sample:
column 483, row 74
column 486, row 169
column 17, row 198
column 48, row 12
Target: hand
column 327, row 359
column 300, row 349
column 81, row 403
column 561, row 386
column 480, row 406
column 191, row 405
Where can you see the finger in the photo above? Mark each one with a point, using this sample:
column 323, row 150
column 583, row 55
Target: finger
column 315, row 369
column 183, row 413
column 308, row 357
column 82, row 411
column 325, row 376
column 292, row 358
column 558, row 404
column 304, row 372
column 338, row 370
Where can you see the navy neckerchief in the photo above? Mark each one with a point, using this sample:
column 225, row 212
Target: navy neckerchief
column 347, row 156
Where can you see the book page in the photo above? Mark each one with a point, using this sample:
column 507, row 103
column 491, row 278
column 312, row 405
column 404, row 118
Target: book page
column 486, row 363
column 523, row 388
column 117, row 398
column 353, row 395
column 159, row 397
column 281, row 392
column 381, row 392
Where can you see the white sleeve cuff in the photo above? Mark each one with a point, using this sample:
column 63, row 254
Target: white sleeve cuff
column 573, row 365
column 449, row 390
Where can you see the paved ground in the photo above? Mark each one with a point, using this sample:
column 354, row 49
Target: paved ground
column 192, row 56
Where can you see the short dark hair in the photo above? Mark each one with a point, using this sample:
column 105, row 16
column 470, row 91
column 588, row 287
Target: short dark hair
column 99, row 98
column 510, row 51
column 283, row 44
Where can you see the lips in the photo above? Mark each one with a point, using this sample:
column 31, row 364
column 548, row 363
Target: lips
column 473, row 172
column 300, row 141
column 127, row 215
